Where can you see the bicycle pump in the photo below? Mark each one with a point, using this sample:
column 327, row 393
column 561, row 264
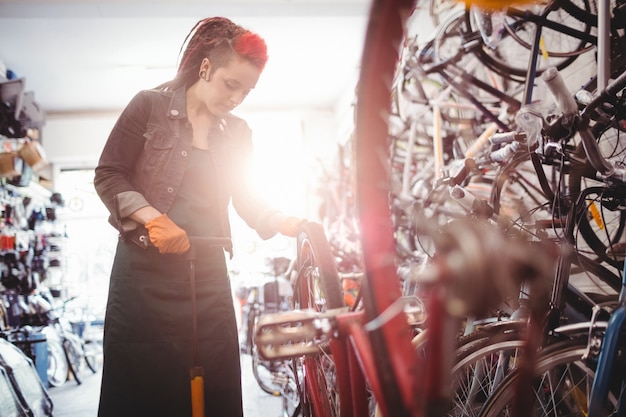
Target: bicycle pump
column 196, row 373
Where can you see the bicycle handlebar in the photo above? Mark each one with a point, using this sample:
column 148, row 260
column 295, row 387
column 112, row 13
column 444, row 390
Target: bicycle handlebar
column 567, row 105
column 564, row 99
column 590, row 144
column 610, row 91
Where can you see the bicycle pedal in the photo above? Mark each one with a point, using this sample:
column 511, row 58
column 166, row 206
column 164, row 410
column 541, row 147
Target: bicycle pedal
column 293, row 334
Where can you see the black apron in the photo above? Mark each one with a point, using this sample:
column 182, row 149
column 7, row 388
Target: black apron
column 148, row 324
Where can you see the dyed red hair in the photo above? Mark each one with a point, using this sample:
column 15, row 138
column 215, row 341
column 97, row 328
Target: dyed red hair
column 218, row 39
column 252, row 47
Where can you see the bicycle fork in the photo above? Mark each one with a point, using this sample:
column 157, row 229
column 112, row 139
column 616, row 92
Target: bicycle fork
column 608, row 353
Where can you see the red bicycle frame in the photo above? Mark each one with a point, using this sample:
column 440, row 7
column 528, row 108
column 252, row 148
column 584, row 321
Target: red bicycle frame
column 301, row 333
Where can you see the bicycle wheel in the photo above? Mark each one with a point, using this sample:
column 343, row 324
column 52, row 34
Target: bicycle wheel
column 563, row 378
column 601, row 222
column 391, row 343
column 92, row 352
column 262, row 370
column 483, row 359
column 58, row 371
column 58, row 368
column 589, row 14
column 317, row 286
column 438, row 10
column 263, row 373
column 249, row 323
column 559, row 46
column 246, row 331
column 74, row 355
column 563, row 39
column 475, row 84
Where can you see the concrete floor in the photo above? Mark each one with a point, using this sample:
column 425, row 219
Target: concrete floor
column 72, row 400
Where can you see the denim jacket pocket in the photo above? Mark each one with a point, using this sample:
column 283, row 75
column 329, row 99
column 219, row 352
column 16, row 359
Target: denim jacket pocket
column 157, row 147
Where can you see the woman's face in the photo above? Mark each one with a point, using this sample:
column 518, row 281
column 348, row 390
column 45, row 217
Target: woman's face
column 229, row 86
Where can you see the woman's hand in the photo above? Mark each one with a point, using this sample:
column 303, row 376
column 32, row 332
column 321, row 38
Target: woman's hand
column 166, row 236
column 292, row 226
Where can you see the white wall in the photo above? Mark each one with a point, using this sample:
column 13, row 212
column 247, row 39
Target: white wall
column 75, row 141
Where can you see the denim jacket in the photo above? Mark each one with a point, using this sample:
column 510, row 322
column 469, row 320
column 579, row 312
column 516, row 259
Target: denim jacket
column 146, row 154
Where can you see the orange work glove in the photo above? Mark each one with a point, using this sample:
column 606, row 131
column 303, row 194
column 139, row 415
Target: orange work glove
column 166, row 236
column 291, row 226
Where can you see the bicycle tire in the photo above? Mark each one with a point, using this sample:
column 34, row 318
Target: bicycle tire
column 278, row 382
column 391, row 343
column 455, row 44
column 438, row 9
column 251, row 318
column 91, row 356
column 587, row 15
column 500, row 340
column 483, row 358
column 570, row 52
column 262, row 374
column 73, row 358
column 315, row 257
column 601, row 232
column 58, row 370
column 246, row 332
column 564, row 363
column 317, row 286
column 500, row 58
column 260, row 369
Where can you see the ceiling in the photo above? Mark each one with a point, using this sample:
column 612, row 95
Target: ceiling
column 93, row 56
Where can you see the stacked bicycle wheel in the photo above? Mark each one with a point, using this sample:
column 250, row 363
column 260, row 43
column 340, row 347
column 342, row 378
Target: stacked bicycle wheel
column 472, row 134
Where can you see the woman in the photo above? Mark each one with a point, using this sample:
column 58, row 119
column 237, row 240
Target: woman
column 173, row 161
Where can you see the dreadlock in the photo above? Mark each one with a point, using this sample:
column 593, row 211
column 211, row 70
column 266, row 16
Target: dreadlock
column 218, row 39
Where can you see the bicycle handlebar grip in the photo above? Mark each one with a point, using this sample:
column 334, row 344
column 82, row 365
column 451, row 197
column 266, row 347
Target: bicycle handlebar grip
column 566, row 103
column 563, row 97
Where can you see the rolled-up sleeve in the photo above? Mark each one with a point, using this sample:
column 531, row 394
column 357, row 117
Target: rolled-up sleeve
column 117, row 161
